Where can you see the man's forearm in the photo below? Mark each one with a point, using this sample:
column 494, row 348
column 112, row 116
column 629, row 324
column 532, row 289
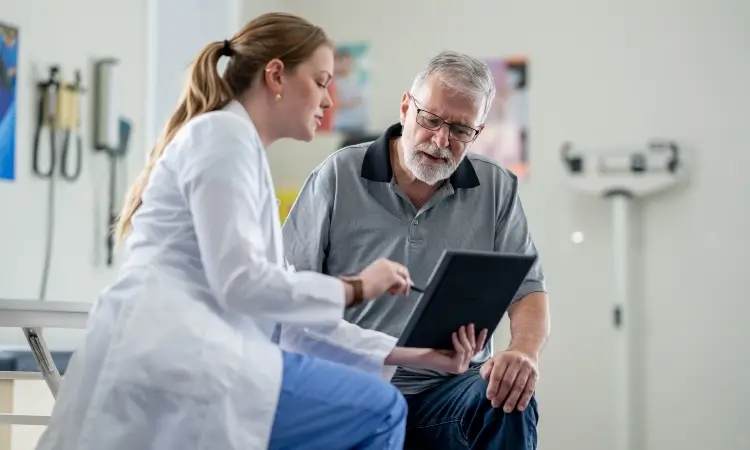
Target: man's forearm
column 529, row 324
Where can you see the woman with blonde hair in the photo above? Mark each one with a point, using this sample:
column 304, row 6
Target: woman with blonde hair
column 181, row 350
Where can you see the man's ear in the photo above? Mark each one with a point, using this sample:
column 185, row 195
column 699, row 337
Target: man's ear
column 405, row 100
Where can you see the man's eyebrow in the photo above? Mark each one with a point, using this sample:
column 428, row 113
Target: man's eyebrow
column 462, row 119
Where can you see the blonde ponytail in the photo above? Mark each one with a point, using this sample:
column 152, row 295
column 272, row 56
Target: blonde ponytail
column 283, row 36
column 204, row 91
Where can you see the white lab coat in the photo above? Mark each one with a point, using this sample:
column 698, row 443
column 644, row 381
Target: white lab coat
column 178, row 354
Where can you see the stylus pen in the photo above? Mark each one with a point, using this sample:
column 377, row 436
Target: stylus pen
column 417, row 289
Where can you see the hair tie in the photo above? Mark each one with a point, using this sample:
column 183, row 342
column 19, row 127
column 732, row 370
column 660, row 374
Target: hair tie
column 226, row 50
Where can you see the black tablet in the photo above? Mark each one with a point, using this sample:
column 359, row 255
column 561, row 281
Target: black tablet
column 465, row 287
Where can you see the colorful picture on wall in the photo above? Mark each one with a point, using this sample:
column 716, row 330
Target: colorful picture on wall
column 8, row 77
column 505, row 136
column 350, row 89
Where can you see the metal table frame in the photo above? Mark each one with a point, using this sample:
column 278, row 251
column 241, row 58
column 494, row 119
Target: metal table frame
column 32, row 316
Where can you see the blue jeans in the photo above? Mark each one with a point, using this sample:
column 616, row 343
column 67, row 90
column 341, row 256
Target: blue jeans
column 457, row 415
column 324, row 405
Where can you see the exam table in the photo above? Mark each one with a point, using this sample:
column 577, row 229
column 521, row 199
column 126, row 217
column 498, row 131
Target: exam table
column 32, row 316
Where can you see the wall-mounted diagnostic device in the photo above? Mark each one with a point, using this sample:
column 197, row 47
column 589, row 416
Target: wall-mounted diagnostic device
column 70, row 123
column 115, row 159
column 622, row 177
column 58, row 120
column 59, row 111
column 47, row 91
column 106, row 105
column 111, row 135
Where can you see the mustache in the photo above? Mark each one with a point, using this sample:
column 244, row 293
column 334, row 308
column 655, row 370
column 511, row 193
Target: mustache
column 435, row 151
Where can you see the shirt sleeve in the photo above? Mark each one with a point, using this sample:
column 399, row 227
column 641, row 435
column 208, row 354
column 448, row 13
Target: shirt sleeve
column 306, row 245
column 222, row 179
column 512, row 236
column 346, row 344
column 306, row 227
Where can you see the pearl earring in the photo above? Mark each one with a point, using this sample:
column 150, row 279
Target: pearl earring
column 278, row 97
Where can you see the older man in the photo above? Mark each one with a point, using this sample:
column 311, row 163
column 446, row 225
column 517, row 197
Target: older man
column 408, row 196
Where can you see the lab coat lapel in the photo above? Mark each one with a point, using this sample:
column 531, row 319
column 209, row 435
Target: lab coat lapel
column 277, row 253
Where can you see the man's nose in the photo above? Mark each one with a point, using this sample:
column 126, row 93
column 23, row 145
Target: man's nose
column 441, row 136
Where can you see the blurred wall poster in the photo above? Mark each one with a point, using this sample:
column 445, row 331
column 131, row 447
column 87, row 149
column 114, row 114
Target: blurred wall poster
column 350, row 90
column 285, row 199
column 505, row 136
column 8, row 76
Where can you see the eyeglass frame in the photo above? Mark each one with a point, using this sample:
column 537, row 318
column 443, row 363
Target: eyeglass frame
column 443, row 122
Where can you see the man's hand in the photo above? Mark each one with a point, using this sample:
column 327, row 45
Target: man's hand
column 511, row 377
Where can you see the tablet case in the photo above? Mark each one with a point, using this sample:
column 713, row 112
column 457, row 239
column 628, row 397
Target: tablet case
column 465, row 287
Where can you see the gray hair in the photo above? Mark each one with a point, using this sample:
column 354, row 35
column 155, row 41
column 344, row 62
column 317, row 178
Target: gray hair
column 462, row 73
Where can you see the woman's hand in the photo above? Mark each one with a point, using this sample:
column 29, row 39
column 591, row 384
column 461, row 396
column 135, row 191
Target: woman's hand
column 384, row 276
column 466, row 344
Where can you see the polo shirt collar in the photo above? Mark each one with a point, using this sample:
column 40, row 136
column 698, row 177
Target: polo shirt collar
column 376, row 165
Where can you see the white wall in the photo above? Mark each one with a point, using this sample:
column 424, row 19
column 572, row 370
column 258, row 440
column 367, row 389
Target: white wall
column 176, row 43
column 155, row 41
column 670, row 68
column 665, row 68
column 71, row 34
column 153, row 68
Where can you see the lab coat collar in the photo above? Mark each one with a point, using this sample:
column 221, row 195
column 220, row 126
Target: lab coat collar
column 236, row 107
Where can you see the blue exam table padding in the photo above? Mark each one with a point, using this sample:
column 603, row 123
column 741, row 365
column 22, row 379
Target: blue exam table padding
column 23, row 361
column 7, row 362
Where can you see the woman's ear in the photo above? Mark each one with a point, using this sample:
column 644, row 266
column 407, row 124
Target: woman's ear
column 274, row 75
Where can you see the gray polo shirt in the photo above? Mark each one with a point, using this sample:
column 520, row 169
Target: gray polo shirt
column 350, row 212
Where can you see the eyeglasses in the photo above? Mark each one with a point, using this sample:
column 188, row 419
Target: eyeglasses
column 433, row 122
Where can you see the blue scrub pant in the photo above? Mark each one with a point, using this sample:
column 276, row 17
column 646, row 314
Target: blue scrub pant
column 324, row 405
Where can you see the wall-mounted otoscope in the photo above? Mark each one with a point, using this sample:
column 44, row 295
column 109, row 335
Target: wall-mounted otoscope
column 46, row 119
column 70, row 117
column 59, row 111
column 58, row 115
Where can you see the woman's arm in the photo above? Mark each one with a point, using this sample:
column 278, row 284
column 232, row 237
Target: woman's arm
column 466, row 344
column 412, row 357
column 371, row 350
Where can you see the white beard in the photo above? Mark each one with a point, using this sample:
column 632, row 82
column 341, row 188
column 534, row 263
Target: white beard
column 430, row 172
